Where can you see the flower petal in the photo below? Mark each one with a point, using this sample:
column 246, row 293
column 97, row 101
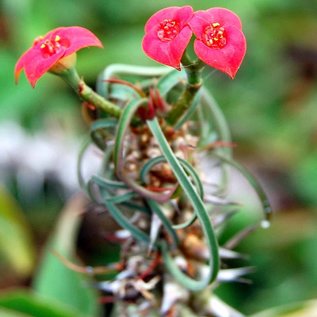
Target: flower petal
column 78, row 38
column 201, row 19
column 179, row 14
column 167, row 53
column 227, row 59
column 225, row 17
column 20, row 65
column 35, row 66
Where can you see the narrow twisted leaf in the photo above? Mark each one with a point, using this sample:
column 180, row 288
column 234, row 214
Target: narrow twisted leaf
column 99, row 126
column 106, row 185
column 115, row 70
column 155, row 207
column 170, row 80
column 121, row 219
column 217, row 122
column 122, row 128
column 84, row 185
column 214, row 128
column 188, row 168
column 198, row 205
column 267, row 209
column 125, row 200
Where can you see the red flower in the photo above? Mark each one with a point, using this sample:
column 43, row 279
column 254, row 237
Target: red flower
column 167, row 35
column 220, row 42
column 49, row 50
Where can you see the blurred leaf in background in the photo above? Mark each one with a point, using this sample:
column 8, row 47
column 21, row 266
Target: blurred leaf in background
column 28, row 304
column 56, row 281
column 17, row 247
column 304, row 309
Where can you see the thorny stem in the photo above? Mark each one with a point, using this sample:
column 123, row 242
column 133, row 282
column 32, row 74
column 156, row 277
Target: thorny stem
column 194, row 82
column 86, row 93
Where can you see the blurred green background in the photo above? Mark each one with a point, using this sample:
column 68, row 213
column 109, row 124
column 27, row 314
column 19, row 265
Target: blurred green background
column 271, row 107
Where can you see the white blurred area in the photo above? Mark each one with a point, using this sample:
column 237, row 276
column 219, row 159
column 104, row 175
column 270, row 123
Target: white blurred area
column 31, row 159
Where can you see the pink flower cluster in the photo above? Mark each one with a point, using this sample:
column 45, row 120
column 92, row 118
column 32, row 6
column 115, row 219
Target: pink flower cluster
column 219, row 43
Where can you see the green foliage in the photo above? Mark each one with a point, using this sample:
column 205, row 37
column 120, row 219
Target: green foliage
column 16, row 242
column 28, row 304
column 305, row 179
column 302, row 309
column 11, row 313
column 56, row 281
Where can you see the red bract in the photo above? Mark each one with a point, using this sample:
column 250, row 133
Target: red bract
column 156, row 103
column 48, row 50
column 220, row 42
column 167, row 35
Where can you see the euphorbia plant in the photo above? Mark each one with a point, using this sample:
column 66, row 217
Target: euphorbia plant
column 159, row 137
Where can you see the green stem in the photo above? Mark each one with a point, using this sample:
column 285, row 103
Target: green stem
column 86, row 93
column 194, row 82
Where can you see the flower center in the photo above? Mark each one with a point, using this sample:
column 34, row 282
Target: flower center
column 168, row 30
column 214, row 36
column 52, row 46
